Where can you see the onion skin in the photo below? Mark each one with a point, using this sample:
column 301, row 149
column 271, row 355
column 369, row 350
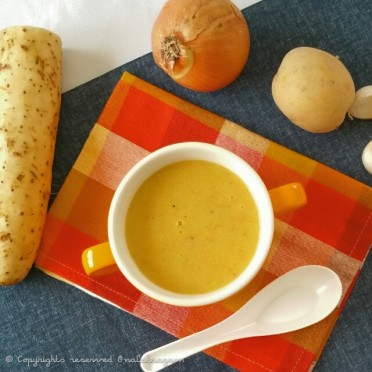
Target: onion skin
column 213, row 39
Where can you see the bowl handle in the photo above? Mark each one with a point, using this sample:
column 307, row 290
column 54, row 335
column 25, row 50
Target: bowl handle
column 98, row 260
column 288, row 197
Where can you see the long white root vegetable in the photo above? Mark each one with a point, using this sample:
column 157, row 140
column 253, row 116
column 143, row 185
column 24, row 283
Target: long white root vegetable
column 30, row 98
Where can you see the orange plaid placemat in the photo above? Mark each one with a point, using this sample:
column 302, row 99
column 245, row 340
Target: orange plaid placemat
column 334, row 229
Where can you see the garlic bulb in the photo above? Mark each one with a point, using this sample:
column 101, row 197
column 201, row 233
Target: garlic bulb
column 362, row 105
column 367, row 157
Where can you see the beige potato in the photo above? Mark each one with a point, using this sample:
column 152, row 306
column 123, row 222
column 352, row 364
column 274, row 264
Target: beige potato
column 313, row 89
column 30, row 97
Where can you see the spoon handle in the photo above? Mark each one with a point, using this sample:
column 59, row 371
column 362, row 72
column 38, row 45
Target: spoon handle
column 176, row 351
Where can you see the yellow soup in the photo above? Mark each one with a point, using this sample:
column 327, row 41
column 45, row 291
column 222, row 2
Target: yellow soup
column 192, row 227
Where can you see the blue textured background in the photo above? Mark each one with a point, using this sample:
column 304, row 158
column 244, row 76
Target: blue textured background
column 45, row 318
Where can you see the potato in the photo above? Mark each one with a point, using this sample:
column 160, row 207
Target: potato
column 313, row 89
column 30, row 97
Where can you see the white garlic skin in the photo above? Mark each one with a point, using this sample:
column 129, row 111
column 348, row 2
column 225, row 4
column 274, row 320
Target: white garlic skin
column 367, row 157
column 362, row 105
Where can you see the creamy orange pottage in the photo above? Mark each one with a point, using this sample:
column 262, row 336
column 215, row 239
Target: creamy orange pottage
column 192, row 227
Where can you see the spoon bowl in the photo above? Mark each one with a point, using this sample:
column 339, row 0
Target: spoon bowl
column 295, row 300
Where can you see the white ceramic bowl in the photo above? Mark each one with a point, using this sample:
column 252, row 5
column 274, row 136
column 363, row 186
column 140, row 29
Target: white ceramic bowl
column 159, row 159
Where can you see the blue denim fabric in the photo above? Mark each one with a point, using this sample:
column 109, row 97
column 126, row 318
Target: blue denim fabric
column 47, row 325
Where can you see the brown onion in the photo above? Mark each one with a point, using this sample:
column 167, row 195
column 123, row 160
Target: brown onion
column 202, row 45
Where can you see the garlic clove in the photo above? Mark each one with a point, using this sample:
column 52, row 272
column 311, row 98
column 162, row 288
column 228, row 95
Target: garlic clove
column 367, row 157
column 362, row 105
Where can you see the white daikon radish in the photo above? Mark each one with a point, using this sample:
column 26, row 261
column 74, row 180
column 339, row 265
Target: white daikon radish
column 30, row 98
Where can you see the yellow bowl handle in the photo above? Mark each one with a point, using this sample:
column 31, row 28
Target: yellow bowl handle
column 98, row 260
column 288, row 197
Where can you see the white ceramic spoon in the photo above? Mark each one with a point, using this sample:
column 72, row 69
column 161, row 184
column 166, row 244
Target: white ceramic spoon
column 295, row 300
